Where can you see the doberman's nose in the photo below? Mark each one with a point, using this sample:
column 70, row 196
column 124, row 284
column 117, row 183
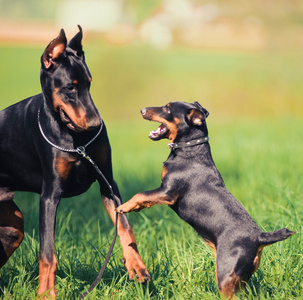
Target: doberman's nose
column 94, row 123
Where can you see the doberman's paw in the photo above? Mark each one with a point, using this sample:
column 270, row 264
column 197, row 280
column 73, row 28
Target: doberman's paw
column 6, row 195
column 51, row 294
column 136, row 270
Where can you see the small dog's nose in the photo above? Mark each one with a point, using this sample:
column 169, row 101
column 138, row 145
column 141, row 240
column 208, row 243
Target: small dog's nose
column 143, row 111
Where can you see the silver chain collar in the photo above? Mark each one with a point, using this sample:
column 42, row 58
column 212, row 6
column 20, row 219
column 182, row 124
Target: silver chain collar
column 80, row 149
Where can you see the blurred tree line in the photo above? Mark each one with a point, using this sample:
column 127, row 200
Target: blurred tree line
column 275, row 12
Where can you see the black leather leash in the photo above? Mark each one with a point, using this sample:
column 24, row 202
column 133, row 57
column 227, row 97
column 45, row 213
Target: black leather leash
column 81, row 151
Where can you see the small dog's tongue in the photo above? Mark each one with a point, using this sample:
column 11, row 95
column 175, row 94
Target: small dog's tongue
column 160, row 129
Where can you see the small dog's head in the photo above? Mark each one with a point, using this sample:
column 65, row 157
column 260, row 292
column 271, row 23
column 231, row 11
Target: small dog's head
column 65, row 81
column 177, row 119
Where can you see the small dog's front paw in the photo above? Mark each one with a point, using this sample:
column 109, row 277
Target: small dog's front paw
column 128, row 206
column 120, row 209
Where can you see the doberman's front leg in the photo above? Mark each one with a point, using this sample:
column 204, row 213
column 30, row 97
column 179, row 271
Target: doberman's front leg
column 131, row 258
column 147, row 199
column 47, row 259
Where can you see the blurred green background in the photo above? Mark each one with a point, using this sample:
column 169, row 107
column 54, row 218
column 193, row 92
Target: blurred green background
column 239, row 60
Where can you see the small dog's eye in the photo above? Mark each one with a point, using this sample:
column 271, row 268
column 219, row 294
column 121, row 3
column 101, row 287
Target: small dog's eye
column 166, row 109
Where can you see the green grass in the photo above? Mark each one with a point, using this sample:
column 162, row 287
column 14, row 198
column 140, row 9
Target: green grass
column 260, row 164
column 255, row 124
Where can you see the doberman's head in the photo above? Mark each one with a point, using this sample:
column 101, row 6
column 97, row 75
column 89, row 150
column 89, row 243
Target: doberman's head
column 65, row 81
column 178, row 119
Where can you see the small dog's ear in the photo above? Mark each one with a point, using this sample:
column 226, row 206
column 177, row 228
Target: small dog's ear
column 202, row 109
column 54, row 49
column 197, row 115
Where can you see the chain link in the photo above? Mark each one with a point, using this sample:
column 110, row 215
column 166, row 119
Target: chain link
column 64, row 149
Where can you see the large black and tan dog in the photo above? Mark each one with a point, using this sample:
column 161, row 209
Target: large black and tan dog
column 38, row 139
column 194, row 189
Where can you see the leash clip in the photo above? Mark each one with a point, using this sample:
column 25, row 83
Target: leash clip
column 81, row 151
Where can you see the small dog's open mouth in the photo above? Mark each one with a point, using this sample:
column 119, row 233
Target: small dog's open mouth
column 66, row 119
column 159, row 133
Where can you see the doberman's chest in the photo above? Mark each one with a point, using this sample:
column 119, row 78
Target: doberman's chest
column 66, row 175
column 75, row 175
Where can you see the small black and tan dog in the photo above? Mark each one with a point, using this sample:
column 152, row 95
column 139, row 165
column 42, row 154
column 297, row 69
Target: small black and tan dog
column 39, row 152
column 194, row 189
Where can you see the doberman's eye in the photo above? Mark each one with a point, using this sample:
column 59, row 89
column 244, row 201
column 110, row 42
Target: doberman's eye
column 71, row 87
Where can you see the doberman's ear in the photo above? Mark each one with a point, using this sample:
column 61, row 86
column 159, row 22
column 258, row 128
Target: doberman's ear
column 75, row 42
column 54, row 49
column 197, row 115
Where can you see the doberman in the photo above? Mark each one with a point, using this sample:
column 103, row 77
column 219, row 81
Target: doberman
column 38, row 137
column 194, row 189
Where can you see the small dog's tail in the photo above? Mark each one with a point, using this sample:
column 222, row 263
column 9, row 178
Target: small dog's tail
column 267, row 238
